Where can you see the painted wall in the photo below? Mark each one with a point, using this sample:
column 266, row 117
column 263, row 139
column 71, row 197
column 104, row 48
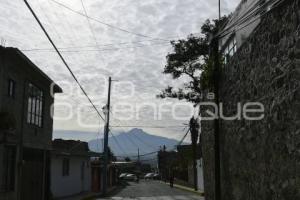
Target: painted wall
column 62, row 186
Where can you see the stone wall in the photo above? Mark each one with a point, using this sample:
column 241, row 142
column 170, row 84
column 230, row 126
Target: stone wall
column 260, row 160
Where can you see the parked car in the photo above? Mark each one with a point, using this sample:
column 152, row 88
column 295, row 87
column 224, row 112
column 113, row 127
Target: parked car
column 149, row 176
column 122, row 176
column 130, row 177
column 156, row 176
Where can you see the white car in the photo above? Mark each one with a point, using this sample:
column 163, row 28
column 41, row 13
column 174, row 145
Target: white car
column 149, row 176
column 122, row 176
column 130, row 177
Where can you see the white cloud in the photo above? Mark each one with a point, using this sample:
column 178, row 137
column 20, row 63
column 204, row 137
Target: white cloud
column 142, row 65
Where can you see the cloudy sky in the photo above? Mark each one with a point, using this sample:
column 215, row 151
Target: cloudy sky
column 125, row 39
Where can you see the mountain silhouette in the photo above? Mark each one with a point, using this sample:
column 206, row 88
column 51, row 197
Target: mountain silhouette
column 127, row 143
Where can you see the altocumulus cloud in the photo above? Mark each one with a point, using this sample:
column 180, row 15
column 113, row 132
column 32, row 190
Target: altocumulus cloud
column 126, row 57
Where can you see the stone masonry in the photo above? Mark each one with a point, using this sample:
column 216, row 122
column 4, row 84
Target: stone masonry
column 260, row 160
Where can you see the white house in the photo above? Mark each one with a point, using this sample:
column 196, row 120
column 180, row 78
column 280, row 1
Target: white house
column 70, row 168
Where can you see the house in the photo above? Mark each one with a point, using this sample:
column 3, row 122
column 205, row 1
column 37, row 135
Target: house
column 26, row 99
column 241, row 23
column 181, row 163
column 97, row 175
column 167, row 161
column 70, row 168
column 185, row 154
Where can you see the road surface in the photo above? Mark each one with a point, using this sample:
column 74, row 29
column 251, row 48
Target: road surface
column 151, row 190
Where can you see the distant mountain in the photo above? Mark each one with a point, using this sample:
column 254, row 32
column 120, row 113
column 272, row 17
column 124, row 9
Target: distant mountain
column 76, row 135
column 127, row 144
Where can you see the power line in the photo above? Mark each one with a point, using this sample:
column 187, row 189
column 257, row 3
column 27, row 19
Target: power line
column 257, row 10
column 103, row 23
column 92, row 31
column 136, row 137
column 241, row 18
column 145, row 143
column 117, row 142
column 95, row 50
column 108, row 45
column 158, row 127
column 63, row 60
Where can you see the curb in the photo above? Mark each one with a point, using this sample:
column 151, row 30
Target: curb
column 186, row 189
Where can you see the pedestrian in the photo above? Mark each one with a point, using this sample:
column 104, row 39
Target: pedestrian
column 138, row 178
column 172, row 178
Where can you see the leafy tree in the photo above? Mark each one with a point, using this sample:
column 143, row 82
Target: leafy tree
column 191, row 58
column 127, row 159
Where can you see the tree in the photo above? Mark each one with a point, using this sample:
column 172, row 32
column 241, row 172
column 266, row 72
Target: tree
column 127, row 159
column 191, row 58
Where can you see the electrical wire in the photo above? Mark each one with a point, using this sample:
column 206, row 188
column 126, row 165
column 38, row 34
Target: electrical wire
column 103, row 23
column 158, row 127
column 118, row 144
column 93, row 50
column 63, row 60
column 259, row 13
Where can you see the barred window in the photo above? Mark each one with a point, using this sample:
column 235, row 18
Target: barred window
column 230, row 49
column 35, row 106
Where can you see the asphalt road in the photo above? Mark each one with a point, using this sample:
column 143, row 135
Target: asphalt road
column 151, row 190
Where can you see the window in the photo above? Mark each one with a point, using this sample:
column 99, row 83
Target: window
column 66, row 167
column 11, row 88
column 230, row 49
column 7, row 168
column 35, row 106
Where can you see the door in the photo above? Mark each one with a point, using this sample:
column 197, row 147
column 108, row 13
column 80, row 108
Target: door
column 32, row 176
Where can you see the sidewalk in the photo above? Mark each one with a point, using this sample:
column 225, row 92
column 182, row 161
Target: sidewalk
column 201, row 193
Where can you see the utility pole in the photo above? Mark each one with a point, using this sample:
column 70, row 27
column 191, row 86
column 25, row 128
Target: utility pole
column 106, row 132
column 194, row 135
column 216, row 55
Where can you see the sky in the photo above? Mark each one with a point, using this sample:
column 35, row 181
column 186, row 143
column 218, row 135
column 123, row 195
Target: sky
column 125, row 39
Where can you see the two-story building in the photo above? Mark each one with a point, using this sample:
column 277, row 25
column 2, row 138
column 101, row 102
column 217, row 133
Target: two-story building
column 26, row 105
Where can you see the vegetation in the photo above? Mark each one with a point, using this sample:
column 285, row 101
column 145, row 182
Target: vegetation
column 127, row 159
column 191, row 58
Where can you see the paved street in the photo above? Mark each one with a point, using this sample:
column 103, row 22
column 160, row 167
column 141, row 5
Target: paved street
column 152, row 190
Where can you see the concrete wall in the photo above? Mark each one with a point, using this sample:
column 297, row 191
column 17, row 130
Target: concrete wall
column 260, row 159
column 200, row 180
column 62, row 186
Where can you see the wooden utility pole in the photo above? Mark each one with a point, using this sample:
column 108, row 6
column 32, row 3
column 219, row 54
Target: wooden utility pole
column 217, row 70
column 194, row 136
column 106, row 132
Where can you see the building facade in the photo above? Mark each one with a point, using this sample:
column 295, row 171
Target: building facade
column 180, row 165
column 70, row 168
column 26, row 103
column 241, row 23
